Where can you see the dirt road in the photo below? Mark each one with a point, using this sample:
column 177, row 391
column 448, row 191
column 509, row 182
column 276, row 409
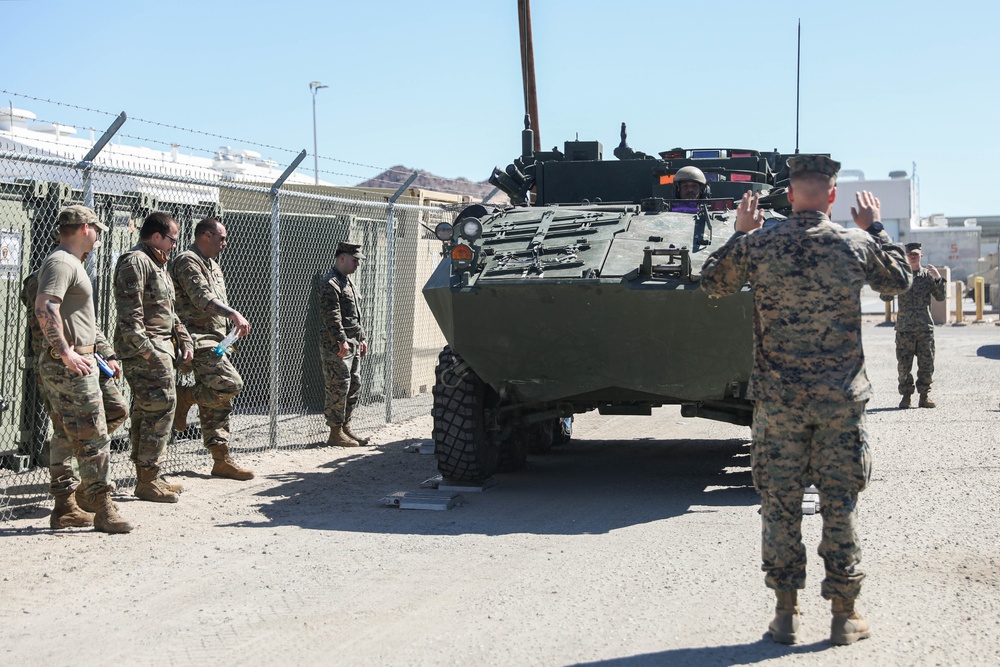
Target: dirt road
column 636, row 544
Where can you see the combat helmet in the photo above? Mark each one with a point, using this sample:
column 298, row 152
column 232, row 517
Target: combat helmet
column 695, row 174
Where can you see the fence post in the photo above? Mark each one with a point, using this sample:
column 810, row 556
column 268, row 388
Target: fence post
column 87, row 162
column 276, row 292
column 390, row 288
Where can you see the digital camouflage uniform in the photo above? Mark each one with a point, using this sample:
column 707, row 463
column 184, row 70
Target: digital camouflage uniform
column 63, row 468
column 75, row 402
column 808, row 381
column 915, row 331
column 199, row 280
column 148, row 327
column 340, row 305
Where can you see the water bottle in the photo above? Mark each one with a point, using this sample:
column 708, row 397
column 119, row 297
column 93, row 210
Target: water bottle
column 221, row 348
column 103, row 365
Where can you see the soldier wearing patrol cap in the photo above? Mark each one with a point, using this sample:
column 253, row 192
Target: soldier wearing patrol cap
column 915, row 329
column 68, row 372
column 808, row 381
column 342, row 345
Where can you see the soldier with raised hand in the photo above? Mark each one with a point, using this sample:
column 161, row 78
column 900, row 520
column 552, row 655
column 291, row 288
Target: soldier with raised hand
column 342, row 344
column 808, row 381
column 148, row 337
column 63, row 467
column 915, row 328
column 204, row 309
column 68, row 372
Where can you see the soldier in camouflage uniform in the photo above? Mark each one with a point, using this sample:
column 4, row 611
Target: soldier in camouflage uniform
column 68, row 373
column 342, row 344
column 915, row 328
column 204, row 309
column 808, row 381
column 148, row 336
column 63, row 467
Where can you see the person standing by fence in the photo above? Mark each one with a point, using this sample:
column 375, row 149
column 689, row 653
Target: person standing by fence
column 146, row 334
column 68, row 371
column 203, row 307
column 342, row 344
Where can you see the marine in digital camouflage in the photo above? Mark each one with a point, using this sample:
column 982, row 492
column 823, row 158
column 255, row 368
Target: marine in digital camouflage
column 199, row 281
column 63, row 468
column 340, row 306
column 915, row 331
column 808, row 380
column 147, row 335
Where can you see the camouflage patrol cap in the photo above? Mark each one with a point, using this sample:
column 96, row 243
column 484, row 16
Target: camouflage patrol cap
column 80, row 215
column 914, row 247
column 800, row 164
column 352, row 249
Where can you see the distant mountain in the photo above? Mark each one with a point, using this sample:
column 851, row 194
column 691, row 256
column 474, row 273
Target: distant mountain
column 396, row 176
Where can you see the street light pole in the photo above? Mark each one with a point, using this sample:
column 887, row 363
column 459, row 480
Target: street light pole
column 314, row 86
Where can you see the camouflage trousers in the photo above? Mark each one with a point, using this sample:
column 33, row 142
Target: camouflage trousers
column 825, row 444
column 153, row 402
column 216, row 384
column 921, row 345
column 342, row 379
column 76, row 407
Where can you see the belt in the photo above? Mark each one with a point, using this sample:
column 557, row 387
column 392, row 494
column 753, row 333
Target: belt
column 80, row 349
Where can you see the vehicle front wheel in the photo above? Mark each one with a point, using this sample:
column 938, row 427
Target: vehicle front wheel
column 463, row 450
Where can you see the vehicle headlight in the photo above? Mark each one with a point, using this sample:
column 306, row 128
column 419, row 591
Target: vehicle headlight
column 444, row 231
column 471, row 228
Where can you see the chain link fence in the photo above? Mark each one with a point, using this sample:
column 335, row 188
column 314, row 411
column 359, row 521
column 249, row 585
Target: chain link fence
column 281, row 244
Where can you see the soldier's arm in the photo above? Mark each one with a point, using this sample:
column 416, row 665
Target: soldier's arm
column 726, row 270
column 329, row 303
column 130, row 280
column 190, row 278
column 938, row 289
column 183, row 338
column 886, row 269
column 103, row 347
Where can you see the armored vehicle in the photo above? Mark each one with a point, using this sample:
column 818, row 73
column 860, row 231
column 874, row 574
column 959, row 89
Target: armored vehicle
column 584, row 295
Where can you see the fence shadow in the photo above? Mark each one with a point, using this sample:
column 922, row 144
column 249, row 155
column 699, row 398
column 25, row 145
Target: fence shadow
column 592, row 486
column 714, row 656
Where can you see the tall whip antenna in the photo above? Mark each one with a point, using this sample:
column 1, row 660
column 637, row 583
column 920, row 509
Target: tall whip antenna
column 528, row 69
column 798, row 71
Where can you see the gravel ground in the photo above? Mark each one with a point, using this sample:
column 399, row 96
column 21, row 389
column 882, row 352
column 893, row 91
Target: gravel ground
column 636, row 544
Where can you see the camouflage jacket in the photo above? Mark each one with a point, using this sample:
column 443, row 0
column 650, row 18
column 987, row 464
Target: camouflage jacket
column 199, row 281
column 339, row 303
column 36, row 340
column 144, row 294
column 807, row 273
column 915, row 304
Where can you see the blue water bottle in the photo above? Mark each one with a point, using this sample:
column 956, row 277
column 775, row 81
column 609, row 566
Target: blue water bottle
column 221, row 348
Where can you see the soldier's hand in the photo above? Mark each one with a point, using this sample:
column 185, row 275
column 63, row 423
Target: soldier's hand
column 933, row 271
column 364, row 348
column 748, row 217
column 115, row 367
column 344, row 350
column 241, row 323
column 187, row 354
column 867, row 211
column 76, row 363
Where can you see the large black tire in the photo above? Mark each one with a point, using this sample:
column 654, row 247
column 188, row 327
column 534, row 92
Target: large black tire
column 464, row 453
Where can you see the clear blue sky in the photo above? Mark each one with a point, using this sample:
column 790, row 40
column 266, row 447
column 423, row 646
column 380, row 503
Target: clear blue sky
column 436, row 85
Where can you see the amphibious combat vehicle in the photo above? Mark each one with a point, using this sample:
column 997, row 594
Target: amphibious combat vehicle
column 584, row 295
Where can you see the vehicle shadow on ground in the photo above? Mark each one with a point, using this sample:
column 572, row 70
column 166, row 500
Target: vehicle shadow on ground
column 713, row 656
column 989, row 351
column 590, row 486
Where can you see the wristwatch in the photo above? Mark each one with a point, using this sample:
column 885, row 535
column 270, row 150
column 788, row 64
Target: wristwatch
column 875, row 228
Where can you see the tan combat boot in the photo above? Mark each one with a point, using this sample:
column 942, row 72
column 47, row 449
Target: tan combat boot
column 83, row 500
column 150, row 487
column 185, row 399
column 340, row 439
column 107, row 519
column 785, row 625
column 847, row 626
column 926, row 402
column 68, row 514
column 224, row 466
column 905, row 402
column 355, row 436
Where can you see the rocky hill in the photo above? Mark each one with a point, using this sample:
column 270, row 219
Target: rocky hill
column 396, row 176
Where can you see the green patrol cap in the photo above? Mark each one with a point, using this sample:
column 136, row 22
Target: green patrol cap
column 914, row 247
column 80, row 215
column 800, row 164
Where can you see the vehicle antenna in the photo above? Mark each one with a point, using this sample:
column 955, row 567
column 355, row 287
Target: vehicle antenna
column 798, row 70
column 528, row 70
